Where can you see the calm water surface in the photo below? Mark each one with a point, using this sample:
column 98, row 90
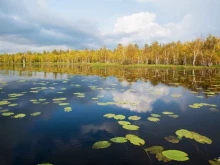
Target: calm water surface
column 65, row 138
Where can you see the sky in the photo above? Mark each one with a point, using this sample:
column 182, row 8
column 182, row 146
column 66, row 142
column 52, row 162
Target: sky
column 37, row 25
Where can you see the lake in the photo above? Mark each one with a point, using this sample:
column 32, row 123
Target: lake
column 62, row 114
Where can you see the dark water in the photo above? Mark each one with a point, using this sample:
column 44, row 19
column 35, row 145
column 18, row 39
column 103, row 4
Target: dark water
column 66, row 138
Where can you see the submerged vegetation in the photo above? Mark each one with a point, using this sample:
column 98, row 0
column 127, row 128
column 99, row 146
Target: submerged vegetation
column 199, row 52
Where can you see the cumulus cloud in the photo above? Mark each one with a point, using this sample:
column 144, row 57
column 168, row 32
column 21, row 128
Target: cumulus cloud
column 142, row 28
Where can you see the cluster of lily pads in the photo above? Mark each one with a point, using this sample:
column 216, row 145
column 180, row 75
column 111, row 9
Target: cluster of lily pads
column 193, row 135
column 125, row 124
column 199, row 105
column 165, row 156
column 156, row 117
column 161, row 154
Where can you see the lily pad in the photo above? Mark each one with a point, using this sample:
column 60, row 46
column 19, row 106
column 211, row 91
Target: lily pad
column 214, row 162
column 67, row 109
column 101, row 145
column 21, row 115
column 135, row 139
column 134, row 118
column 200, row 138
column 176, row 155
column 35, row 113
column 7, row 114
column 155, row 115
column 45, row 164
column 131, row 127
column 119, row 140
column 172, row 139
column 119, row 117
column 193, row 135
column 109, row 115
column 5, row 110
column 168, row 113
column 12, row 105
column 155, row 149
column 63, row 104
column 174, row 116
column 184, row 133
column 153, row 119
column 161, row 157
column 124, row 122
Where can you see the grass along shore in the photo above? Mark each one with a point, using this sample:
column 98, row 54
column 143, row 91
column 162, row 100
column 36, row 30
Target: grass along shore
column 118, row 65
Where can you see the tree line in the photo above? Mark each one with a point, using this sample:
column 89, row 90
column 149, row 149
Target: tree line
column 201, row 51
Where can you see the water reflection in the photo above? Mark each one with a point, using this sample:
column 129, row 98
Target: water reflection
column 61, row 137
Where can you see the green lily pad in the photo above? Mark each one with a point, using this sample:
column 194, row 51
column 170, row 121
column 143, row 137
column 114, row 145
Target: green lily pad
column 172, row 139
column 167, row 113
column 63, row 104
column 12, row 105
column 193, row 135
column 119, row 117
column 21, row 115
column 135, row 139
column 109, row 115
column 176, row 155
column 45, row 164
column 5, row 110
column 7, row 114
column 155, row 115
column 161, row 157
column 130, row 127
column 119, row 140
column 194, row 106
column 174, row 116
column 184, row 133
column 134, row 118
column 101, row 145
column 155, row 149
column 214, row 162
column 153, row 119
column 200, row 138
column 124, row 122
column 35, row 113
column 67, row 109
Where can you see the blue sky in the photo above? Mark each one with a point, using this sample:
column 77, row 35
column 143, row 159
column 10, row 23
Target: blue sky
column 38, row 25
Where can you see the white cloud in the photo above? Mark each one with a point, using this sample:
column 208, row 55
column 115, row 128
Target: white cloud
column 135, row 22
column 142, row 28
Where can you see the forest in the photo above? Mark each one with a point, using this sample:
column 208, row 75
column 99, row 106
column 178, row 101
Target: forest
column 198, row 52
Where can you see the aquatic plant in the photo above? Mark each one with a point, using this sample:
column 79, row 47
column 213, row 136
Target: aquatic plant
column 134, row 118
column 176, row 155
column 131, row 127
column 135, row 139
column 119, row 140
column 101, row 145
column 153, row 119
